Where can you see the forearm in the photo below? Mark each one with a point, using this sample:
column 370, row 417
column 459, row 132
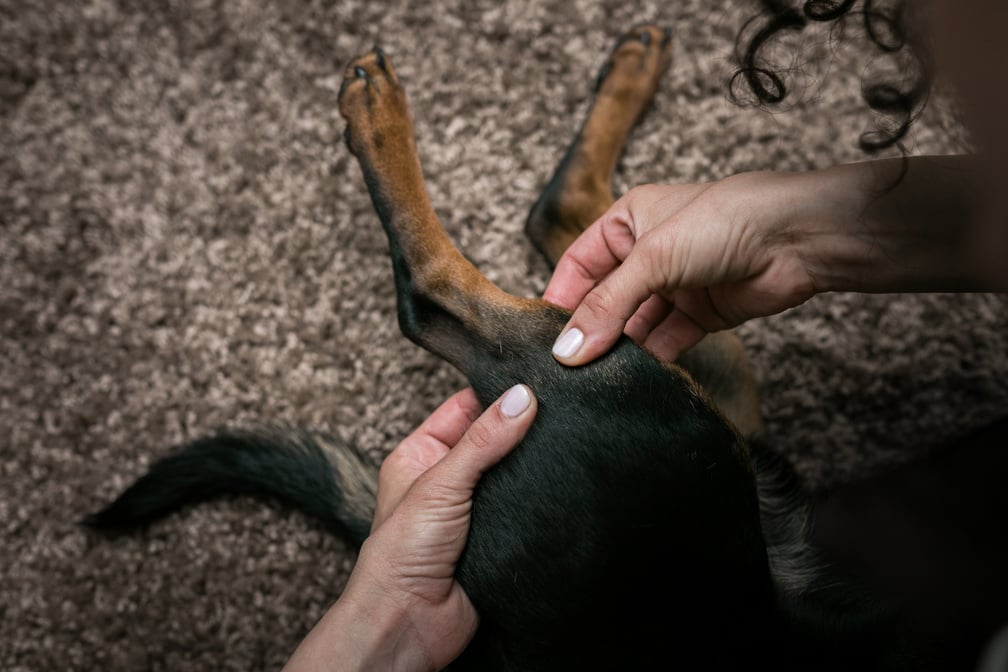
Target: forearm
column 859, row 227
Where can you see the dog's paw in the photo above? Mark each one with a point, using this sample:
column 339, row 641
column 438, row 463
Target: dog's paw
column 636, row 63
column 373, row 103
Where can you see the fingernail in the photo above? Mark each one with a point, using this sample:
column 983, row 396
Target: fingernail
column 515, row 401
column 568, row 343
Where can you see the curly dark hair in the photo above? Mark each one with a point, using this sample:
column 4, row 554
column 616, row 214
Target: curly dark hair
column 897, row 104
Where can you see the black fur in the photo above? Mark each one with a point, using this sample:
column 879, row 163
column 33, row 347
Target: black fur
column 291, row 465
column 603, row 512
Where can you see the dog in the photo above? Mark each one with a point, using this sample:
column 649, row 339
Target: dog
column 642, row 523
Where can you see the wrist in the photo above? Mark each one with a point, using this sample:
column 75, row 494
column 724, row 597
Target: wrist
column 870, row 227
column 827, row 230
column 363, row 630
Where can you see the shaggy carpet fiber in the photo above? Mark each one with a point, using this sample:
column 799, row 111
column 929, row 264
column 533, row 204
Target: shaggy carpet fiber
column 186, row 244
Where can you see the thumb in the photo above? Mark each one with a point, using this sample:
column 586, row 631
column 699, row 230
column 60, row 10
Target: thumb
column 487, row 441
column 599, row 320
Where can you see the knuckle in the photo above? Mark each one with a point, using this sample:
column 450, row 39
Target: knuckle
column 391, row 464
column 641, row 196
column 638, row 327
column 482, row 433
column 637, row 194
column 654, row 241
column 652, row 259
column 579, row 268
column 599, row 302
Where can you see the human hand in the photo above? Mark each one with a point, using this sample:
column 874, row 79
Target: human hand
column 402, row 608
column 422, row 449
column 669, row 264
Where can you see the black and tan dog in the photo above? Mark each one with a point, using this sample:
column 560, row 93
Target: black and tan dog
column 640, row 524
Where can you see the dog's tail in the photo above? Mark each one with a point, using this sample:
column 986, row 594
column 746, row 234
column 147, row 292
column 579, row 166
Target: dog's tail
column 310, row 470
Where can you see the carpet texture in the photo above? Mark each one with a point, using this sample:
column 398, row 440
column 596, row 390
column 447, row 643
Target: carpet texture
column 185, row 244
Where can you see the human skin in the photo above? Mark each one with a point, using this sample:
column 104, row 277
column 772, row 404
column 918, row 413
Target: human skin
column 669, row 264
column 402, row 609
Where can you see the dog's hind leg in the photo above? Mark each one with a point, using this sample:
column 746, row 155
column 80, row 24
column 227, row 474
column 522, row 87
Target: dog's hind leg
column 581, row 190
column 581, row 187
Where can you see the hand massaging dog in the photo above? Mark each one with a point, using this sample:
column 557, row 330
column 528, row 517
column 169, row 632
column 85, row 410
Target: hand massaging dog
column 641, row 524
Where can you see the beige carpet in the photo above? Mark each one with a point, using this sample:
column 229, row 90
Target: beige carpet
column 186, row 244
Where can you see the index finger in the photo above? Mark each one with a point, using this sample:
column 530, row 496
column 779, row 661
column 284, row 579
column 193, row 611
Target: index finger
column 452, row 418
column 588, row 260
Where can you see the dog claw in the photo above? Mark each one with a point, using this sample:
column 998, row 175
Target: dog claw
column 653, row 39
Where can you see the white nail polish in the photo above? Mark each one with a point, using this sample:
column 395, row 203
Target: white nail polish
column 568, row 343
column 515, row 401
